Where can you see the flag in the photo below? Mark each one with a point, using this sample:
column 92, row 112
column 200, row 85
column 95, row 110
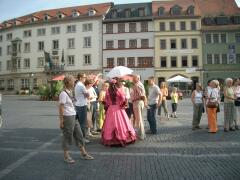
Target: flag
column 48, row 59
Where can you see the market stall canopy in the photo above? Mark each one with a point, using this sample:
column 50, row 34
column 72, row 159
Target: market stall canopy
column 119, row 71
column 59, row 78
column 179, row 78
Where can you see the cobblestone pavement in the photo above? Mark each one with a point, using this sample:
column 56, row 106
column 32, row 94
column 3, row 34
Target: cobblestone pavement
column 31, row 149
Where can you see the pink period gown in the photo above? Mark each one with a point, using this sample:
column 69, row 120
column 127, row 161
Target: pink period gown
column 117, row 129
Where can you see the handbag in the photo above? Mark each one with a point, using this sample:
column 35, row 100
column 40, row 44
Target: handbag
column 237, row 102
column 211, row 104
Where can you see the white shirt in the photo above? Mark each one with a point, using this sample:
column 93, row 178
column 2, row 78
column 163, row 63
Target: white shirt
column 213, row 94
column 64, row 99
column 198, row 97
column 80, row 94
column 236, row 90
column 153, row 96
column 92, row 94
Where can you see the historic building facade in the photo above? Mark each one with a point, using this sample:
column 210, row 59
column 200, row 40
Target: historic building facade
column 221, row 39
column 128, row 38
column 177, row 35
column 36, row 47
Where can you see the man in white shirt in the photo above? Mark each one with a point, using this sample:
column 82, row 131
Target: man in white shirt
column 154, row 101
column 81, row 96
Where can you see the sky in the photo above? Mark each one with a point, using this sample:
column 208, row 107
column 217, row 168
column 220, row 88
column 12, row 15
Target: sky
column 15, row 8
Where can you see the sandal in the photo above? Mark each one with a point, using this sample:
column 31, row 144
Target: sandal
column 87, row 157
column 69, row 160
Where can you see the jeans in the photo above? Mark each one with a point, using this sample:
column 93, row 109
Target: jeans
column 197, row 114
column 82, row 118
column 151, row 117
column 94, row 105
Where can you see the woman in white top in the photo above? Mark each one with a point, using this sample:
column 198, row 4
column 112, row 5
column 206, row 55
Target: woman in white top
column 197, row 100
column 236, row 90
column 68, row 123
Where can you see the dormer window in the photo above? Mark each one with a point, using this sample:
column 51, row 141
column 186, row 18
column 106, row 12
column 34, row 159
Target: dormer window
column 190, row 10
column 46, row 17
column 236, row 19
column 128, row 13
column 75, row 13
column 91, row 12
column 141, row 12
column 222, row 20
column 60, row 15
column 33, row 19
column 207, row 21
column 161, row 11
column 176, row 10
column 114, row 14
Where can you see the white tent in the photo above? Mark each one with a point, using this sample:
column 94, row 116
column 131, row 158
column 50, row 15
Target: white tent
column 179, row 78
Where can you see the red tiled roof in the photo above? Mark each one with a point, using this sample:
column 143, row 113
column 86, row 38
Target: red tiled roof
column 100, row 9
column 168, row 4
column 218, row 7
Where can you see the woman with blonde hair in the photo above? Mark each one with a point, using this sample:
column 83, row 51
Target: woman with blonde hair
column 164, row 91
column 213, row 98
column 101, row 99
column 70, row 126
column 197, row 100
column 228, row 105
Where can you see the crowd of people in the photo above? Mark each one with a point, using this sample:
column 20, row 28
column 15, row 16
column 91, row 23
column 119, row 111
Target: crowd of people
column 115, row 110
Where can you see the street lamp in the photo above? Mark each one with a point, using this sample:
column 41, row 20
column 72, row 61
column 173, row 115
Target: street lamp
column 31, row 75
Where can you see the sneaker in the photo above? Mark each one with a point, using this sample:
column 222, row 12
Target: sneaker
column 87, row 157
column 90, row 134
column 69, row 160
column 87, row 141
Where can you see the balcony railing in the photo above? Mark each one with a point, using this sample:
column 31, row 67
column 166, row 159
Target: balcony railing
column 54, row 69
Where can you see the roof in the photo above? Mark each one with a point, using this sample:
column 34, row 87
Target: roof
column 101, row 9
column 168, row 4
column 218, row 7
column 230, row 27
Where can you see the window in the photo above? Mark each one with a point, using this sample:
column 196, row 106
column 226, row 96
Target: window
column 208, row 38
column 141, row 12
column 184, row 61
column 162, row 26
column 172, row 26
column 1, row 38
column 41, row 32
column 191, row 10
column 87, row 27
column 109, row 45
column 132, row 27
column 182, row 25
column 121, row 44
column 216, row 59
column 10, row 84
column 70, row 61
column 224, row 58
column 193, row 25
column 71, row 28
column 55, row 30
column 144, row 43
column 184, row 43
column 110, row 62
column 9, row 36
column 145, row 62
column 121, row 28
column 238, row 58
column 222, row 20
column 133, row 43
column 55, row 44
column 25, row 83
column 40, row 62
column 144, row 26
column 173, row 44
column 209, row 58
column 130, row 61
column 161, row 11
column 91, row 12
column 162, row 44
column 173, row 61
column 35, row 83
column 194, row 44
column 26, row 64
column 71, row 43
column 0, row 51
column 237, row 37
column 26, row 47
column 27, row 33
column 87, row 59
column 2, row 84
column 9, row 65
column 109, row 28
column 176, row 10
column 215, row 38
column 9, row 50
column 114, row 14
column 0, row 66
column 163, row 61
column 41, row 45
column 121, row 61
column 128, row 13
column 223, row 38
column 194, row 61
column 87, row 42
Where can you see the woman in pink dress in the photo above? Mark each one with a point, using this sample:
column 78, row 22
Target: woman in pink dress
column 117, row 129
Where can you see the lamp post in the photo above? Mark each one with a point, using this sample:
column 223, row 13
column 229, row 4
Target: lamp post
column 31, row 75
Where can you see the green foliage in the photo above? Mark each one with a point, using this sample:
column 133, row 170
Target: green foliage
column 129, row 84
column 44, row 90
column 146, row 87
column 57, row 88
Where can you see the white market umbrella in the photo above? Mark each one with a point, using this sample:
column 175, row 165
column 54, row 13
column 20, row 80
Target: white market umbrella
column 119, row 71
column 179, row 78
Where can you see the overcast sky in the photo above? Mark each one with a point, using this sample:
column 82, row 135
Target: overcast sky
column 14, row 8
